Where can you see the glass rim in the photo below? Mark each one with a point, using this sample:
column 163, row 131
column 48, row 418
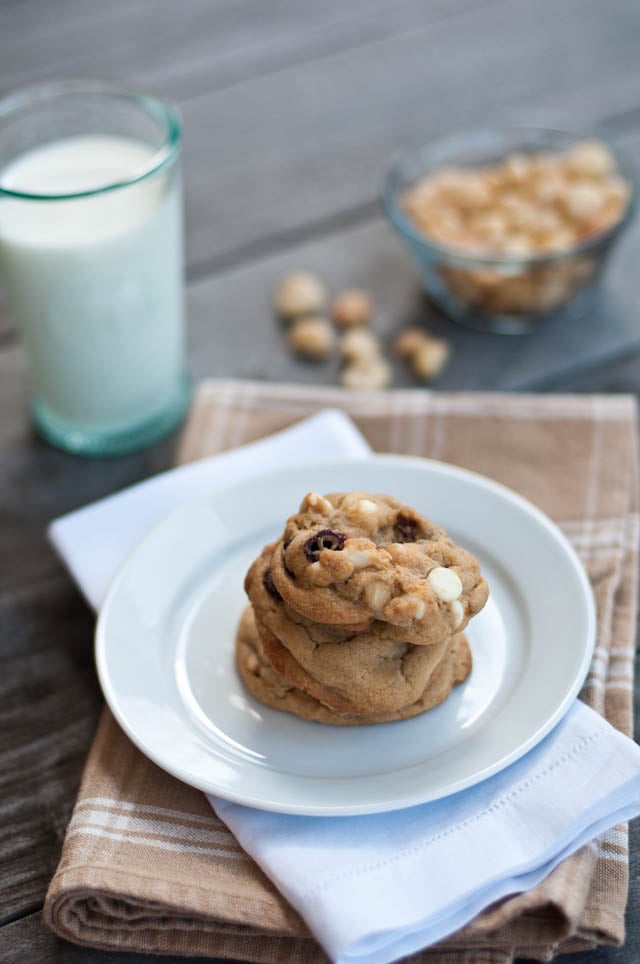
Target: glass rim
column 165, row 113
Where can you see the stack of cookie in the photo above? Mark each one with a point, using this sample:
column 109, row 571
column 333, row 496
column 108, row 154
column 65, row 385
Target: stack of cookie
column 357, row 612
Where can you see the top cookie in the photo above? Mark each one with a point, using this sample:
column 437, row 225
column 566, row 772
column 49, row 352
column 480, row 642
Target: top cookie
column 351, row 558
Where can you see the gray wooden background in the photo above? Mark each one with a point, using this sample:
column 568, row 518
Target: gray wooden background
column 291, row 111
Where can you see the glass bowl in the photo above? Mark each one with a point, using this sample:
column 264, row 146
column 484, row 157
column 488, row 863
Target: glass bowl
column 500, row 292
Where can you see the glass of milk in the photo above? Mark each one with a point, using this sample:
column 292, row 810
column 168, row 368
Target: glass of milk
column 91, row 261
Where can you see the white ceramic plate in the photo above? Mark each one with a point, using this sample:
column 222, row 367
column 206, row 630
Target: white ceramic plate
column 166, row 633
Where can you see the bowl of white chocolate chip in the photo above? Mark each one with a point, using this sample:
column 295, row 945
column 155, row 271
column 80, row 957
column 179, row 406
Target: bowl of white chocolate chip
column 509, row 226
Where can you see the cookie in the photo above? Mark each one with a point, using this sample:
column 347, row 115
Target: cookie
column 261, row 590
column 270, row 688
column 368, row 687
column 371, row 672
column 354, row 558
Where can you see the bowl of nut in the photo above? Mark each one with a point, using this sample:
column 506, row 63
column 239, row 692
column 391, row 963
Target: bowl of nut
column 509, row 226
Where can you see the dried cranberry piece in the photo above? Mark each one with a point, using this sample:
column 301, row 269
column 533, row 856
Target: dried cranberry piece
column 325, row 539
column 270, row 586
column 407, row 527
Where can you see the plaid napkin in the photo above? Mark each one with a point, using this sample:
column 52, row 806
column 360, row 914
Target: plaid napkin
column 146, row 866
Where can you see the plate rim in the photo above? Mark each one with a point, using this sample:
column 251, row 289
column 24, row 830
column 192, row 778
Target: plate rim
column 332, row 810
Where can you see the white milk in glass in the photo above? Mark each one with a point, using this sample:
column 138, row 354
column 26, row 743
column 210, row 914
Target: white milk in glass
column 95, row 283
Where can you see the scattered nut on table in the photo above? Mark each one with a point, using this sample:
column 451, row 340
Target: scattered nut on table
column 366, row 367
column 352, row 308
column 408, row 342
column 426, row 355
column 360, row 345
column 312, row 338
column 430, row 358
column 300, row 293
column 366, row 375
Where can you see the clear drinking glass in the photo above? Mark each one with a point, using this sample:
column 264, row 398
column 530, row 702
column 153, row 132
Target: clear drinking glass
column 91, row 259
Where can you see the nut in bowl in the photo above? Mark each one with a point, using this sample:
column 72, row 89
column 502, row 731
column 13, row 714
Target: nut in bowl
column 509, row 226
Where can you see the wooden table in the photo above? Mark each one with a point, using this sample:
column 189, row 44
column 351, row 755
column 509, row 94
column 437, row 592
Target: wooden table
column 291, row 110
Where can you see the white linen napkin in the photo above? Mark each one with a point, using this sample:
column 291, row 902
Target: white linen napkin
column 375, row 888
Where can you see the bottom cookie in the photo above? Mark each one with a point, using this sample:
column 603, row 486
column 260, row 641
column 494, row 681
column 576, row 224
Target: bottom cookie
column 271, row 689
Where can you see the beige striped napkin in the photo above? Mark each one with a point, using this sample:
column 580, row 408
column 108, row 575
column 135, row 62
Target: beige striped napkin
column 147, row 866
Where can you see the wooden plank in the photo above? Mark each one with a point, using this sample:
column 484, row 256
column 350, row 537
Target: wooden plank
column 184, row 51
column 38, row 483
column 49, row 703
column 215, row 46
column 271, row 158
column 283, row 155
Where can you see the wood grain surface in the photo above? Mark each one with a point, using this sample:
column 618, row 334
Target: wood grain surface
column 292, row 110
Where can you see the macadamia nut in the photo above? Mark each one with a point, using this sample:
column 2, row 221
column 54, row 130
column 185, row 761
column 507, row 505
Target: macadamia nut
column 312, row 338
column 590, row 159
column 426, row 355
column 430, row 358
column 408, row 342
column 300, row 293
column 360, row 346
column 366, row 376
column 530, row 194
column 352, row 308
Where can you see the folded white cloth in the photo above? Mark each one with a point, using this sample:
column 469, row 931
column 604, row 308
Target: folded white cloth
column 375, row 888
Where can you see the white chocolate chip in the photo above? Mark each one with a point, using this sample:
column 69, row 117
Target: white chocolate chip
column 319, row 503
column 360, row 558
column 377, row 594
column 414, row 606
column 367, row 506
column 445, row 583
column 352, row 503
column 457, row 612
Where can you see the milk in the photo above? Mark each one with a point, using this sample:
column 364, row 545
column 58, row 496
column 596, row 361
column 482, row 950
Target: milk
column 96, row 283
